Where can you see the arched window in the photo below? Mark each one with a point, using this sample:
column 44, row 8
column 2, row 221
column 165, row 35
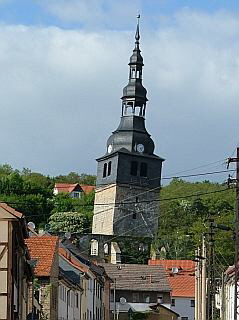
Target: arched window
column 109, row 169
column 106, row 248
column 94, row 247
column 105, row 170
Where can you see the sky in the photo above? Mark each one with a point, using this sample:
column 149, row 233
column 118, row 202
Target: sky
column 64, row 64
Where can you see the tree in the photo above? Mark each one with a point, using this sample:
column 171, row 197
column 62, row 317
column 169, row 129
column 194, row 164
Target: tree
column 71, row 214
column 183, row 219
column 74, row 177
column 67, row 222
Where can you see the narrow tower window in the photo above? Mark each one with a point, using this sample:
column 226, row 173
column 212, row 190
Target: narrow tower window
column 105, row 170
column 134, row 168
column 143, row 169
column 109, row 169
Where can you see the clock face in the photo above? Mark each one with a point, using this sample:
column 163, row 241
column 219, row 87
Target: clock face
column 110, row 148
column 140, row 147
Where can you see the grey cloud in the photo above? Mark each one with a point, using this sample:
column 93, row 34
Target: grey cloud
column 60, row 92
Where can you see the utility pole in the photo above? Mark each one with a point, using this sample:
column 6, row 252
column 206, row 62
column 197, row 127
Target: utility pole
column 211, row 288
column 197, row 292
column 204, row 281
column 200, row 282
column 114, row 294
column 236, row 233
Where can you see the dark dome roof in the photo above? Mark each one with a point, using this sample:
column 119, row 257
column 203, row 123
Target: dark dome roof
column 136, row 57
column 135, row 89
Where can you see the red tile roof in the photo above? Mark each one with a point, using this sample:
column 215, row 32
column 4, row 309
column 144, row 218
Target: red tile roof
column 66, row 187
column 69, row 187
column 87, row 189
column 183, row 282
column 43, row 249
column 11, row 210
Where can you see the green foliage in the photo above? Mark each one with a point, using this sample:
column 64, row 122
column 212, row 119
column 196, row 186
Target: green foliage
column 183, row 220
column 71, row 214
column 67, row 222
column 137, row 251
column 32, row 194
column 73, row 177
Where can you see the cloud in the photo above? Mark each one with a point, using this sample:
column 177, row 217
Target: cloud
column 94, row 13
column 60, row 92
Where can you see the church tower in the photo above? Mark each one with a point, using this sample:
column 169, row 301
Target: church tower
column 129, row 173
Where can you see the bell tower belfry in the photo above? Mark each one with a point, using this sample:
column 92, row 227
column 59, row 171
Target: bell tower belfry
column 129, row 173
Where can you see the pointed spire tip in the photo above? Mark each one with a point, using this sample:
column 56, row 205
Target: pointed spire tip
column 137, row 35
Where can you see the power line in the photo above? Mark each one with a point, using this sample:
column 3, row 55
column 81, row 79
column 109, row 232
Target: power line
column 133, row 202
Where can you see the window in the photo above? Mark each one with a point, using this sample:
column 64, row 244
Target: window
column 77, row 301
column 76, row 195
column 109, row 169
column 106, row 248
column 94, row 247
column 134, row 168
column 147, row 299
column 143, row 169
column 135, row 297
column 160, row 299
column 173, row 302
column 192, row 302
column 184, row 318
column 69, row 297
column 105, row 170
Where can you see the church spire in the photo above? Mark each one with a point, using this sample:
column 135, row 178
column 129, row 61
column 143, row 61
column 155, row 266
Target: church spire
column 134, row 94
column 137, row 35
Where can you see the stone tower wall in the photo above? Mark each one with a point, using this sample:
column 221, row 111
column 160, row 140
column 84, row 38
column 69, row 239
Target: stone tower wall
column 104, row 208
column 126, row 210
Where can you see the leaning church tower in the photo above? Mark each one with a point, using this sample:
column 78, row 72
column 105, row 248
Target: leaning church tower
column 129, row 173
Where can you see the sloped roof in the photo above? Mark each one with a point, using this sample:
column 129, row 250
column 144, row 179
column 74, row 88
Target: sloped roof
column 11, row 210
column 72, row 260
column 87, row 189
column 70, row 187
column 66, row 187
column 138, row 277
column 183, row 282
column 42, row 249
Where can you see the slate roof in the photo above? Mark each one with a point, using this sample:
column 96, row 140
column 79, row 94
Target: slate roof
column 42, row 249
column 183, row 282
column 138, row 277
column 69, row 271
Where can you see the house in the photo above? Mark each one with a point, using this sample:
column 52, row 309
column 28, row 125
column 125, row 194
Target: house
column 95, row 297
column 15, row 266
column 69, row 290
column 75, row 190
column 136, row 288
column 181, row 277
column 44, row 249
column 227, row 294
